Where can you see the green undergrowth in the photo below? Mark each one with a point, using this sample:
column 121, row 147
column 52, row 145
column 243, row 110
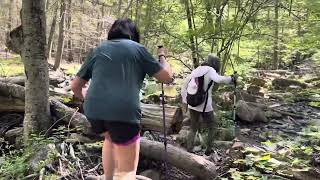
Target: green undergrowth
column 287, row 158
column 11, row 67
column 15, row 163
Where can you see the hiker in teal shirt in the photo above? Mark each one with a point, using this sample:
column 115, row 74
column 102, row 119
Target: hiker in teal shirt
column 117, row 68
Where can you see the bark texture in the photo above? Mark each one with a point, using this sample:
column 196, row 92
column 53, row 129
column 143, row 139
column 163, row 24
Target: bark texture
column 36, row 67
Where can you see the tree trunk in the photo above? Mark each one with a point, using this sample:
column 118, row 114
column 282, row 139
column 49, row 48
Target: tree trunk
column 119, row 8
column 195, row 60
column 61, row 36
column 276, row 36
column 137, row 14
column 12, row 15
column 147, row 21
column 52, row 30
column 69, row 28
column 37, row 111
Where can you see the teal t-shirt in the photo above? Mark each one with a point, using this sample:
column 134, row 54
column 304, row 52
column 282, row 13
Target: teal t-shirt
column 116, row 69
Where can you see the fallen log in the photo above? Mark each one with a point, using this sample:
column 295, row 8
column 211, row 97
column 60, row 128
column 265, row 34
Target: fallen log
column 195, row 165
column 11, row 104
column 191, row 163
column 12, row 90
column 70, row 116
column 152, row 118
column 151, row 114
column 20, row 80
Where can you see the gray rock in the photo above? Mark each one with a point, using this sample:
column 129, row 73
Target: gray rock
column 258, row 81
column 255, row 90
column 197, row 149
column 44, row 154
column 248, row 113
column 286, row 83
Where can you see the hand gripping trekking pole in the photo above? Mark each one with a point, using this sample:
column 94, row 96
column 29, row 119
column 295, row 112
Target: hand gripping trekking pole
column 164, row 126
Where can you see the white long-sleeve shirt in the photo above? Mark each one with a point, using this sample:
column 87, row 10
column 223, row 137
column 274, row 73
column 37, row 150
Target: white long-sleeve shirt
column 190, row 86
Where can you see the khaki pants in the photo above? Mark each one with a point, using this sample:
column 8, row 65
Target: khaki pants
column 208, row 119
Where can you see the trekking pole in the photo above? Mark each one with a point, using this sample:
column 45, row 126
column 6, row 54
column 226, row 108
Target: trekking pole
column 164, row 126
column 234, row 93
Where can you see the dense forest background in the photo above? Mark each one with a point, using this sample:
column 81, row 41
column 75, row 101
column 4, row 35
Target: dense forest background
column 260, row 33
column 267, row 127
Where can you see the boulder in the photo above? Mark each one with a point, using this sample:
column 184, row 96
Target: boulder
column 282, row 84
column 44, row 155
column 224, row 134
column 241, row 95
column 254, row 90
column 258, row 81
column 248, row 113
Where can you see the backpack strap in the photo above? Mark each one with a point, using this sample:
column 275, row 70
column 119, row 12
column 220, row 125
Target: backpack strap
column 207, row 95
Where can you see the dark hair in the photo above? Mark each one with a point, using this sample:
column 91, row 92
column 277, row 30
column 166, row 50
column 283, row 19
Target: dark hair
column 213, row 61
column 124, row 29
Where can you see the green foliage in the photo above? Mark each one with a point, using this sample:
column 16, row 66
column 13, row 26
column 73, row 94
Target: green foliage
column 279, row 156
column 16, row 162
column 72, row 69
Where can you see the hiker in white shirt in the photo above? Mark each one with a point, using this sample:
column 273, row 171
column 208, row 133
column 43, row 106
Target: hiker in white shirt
column 209, row 70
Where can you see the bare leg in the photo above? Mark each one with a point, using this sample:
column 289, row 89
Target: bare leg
column 107, row 157
column 126, row 158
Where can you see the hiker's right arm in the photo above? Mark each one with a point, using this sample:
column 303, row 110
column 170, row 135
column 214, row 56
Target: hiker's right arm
column 214, row 76
column 161, row 71
column 165, row 74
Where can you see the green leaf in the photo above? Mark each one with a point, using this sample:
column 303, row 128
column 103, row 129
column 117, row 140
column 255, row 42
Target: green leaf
column 308, row 150
column 264, row 158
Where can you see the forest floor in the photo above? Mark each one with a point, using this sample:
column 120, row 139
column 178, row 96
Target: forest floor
column 285, row 147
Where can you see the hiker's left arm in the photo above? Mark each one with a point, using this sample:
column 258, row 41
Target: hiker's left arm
column 77, row 85
column 83, row 76
column 214, row 76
